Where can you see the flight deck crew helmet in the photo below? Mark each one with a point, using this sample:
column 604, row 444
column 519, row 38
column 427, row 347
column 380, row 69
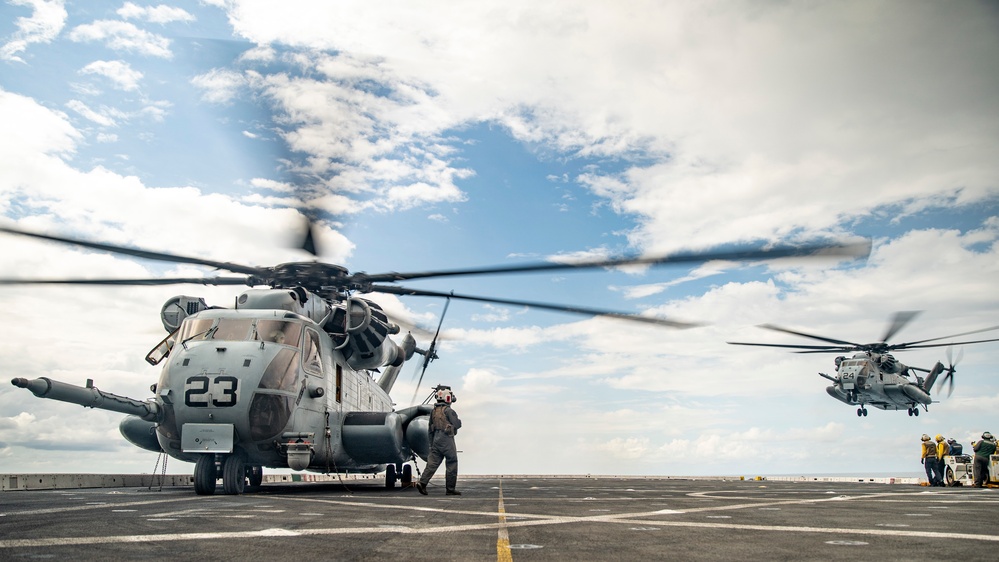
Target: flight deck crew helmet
column 987, row 436
column 446, row 396
column 925, row 437
column 939, row 438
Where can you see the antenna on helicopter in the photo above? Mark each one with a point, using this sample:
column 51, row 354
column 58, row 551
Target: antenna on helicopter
column 430, row 353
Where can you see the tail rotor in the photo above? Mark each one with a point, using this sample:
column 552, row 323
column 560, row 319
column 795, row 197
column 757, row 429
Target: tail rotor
column 950, row 370
column 947, row 372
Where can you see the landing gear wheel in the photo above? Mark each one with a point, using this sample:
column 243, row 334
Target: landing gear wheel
column 910, row 412
column 949, row 478
column 860, row 412
column 234, row 474
column 915, row 412
column 390, row 476
column 205, row 475
column 255, row 474
column 407, row 475
column 865, row 412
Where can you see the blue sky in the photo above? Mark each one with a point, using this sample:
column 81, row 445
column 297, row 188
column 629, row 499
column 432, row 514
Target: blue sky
column 514, row 132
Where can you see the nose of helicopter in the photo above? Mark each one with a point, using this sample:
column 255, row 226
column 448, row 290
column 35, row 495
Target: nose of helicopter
column 250, row 385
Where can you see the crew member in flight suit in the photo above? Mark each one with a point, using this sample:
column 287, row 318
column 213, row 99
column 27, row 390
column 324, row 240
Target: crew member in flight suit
column 444, row 424
column 929, row 459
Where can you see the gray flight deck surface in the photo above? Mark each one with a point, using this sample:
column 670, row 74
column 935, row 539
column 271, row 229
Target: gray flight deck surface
column 509, row 518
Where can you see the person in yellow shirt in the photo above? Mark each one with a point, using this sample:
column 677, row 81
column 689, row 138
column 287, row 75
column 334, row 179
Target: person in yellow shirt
column 942, row 450
column 928, row 459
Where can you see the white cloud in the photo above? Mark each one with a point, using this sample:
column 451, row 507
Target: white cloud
column 86, row 112
column 790, row 153
column 494, row 314
column 154, row 14
column 219, row 85
column 123, row 36
column 119, row 72
column 42, row 132
column 45, row 23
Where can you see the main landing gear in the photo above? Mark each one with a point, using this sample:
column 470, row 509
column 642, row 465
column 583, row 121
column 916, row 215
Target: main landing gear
column 861, row 411
column 233, row 470
column 914, row 411
column 398, row 472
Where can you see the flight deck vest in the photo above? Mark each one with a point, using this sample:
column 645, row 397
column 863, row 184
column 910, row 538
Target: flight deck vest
column 439, row 422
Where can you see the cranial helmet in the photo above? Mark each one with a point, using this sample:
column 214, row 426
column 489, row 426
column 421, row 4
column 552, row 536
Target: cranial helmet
column 986, row 435
column 951, row 440
column 446, row 396
column 939, row 438
column 925, row 437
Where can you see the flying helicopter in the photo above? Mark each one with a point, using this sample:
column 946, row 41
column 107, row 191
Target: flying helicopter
column 298, row 373
column 873, row 375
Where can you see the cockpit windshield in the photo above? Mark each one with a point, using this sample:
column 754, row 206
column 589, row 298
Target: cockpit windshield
column 278, row 331
column 195, row 329
column 241, row 329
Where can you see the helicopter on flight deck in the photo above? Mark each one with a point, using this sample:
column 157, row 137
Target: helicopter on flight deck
column 286, row 378
column 873, row 376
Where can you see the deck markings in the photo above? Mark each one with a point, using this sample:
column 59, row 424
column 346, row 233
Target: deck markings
column 503, row 553
column 502, row 526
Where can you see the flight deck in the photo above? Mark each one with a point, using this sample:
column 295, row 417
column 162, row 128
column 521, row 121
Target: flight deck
column 508, row 518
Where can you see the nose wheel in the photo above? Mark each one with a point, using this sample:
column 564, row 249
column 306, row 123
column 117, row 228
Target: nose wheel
column 861, row 411
column 914, row 411
column 232, row 469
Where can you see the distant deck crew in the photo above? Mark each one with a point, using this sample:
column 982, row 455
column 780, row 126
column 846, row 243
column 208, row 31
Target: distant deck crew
column 955, row 447
column 942, row 449
column 983, row 450
column 928, row 457
column 444, row 425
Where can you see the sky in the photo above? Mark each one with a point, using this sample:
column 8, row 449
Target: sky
column 510, row 132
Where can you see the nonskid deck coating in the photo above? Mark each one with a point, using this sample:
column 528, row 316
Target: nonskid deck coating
column 509, row 518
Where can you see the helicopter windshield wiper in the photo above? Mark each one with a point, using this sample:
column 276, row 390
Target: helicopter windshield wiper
column 207, row 335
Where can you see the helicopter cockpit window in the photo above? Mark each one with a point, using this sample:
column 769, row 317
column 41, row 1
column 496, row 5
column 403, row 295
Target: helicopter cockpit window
column 282, row 372
column 194, row 329
column 232, row 329
column 311, row 359
column 278, row 331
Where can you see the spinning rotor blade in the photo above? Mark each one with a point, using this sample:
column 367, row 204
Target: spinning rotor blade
column 158, row 256
column 556, row 307
column 812, row 348
column 898, row 322
column 431, row 352
column 852, row 250
column 960, row 354
column 945, row 344
column 162, row 281
column 814, row 337
column 951, row 370
column 309, row 240
column 912, row 344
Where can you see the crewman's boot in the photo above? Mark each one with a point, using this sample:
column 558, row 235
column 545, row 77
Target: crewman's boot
column 421, row 487
column 452, row 493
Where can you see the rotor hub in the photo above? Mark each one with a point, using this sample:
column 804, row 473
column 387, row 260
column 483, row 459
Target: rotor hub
column 315, row 276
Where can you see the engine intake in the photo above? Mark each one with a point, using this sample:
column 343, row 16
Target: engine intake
column 362, row 338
